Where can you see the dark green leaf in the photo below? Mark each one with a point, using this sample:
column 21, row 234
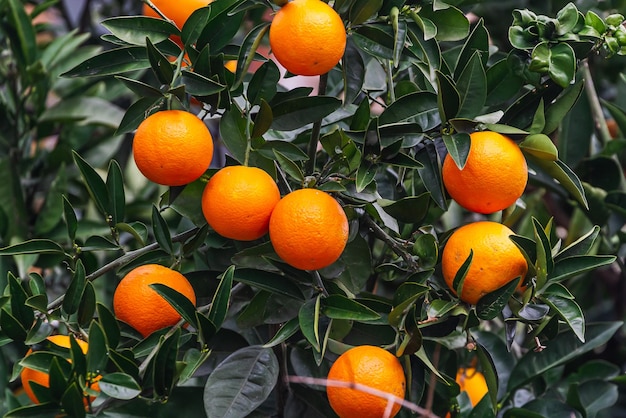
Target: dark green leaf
column 34, row 246
column 178, row 301
column 97, row 354
column 539, row 119
column 232, row 132
column 353, row 69
column 576, row 265
column 431, row 173
column 419, row 107
column 221, row 299
column 290, row 167
column 448, row 98
column 115, row 187
column 296, row 113
column 458, row 146
column 559, row 61
column 477, row 44
column 162, row 67
column 74, row 293
column 119, row 386
column 95, row 185
column 11, row 326
column 264, row 83
column 374, row 40
column 565, row 347
column 544, row 264
column 565, row 176
column 271, row 282
column 199, row 85
column 571, row 313
column 490, row 305
column 112, row 62
column 109, row 325
column 593, row 396
column 490, row 373
column 72, row 400
column 161, row 231
column 451, row 23
column 288, row 329
column 241, row 383
column 341, row 307
column 247, row 51
column 308, row 318
column 164, row 366
column 87, row 306
column 459, row 277
column 472, row 87
column 362, row 10
column 70, row 219
column 411, row 209
column 135, row 29
column 26, row 46
column 365, row 175
column 44, row 410
column 557, row 110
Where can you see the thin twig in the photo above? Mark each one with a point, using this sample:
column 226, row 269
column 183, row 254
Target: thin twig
column 392, row 242
column 126, row 258
column 594, row 104
column 391, row 399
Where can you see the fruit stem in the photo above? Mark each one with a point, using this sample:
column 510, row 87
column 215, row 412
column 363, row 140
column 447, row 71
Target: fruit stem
column 156, row 9
column 393, row 243
column 315, row 131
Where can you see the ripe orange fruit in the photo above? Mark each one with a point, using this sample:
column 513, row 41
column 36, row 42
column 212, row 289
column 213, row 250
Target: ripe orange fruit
column 176, row 10
column 28, row 376
column 308, row 229
column 140, row 306
column 370, row 366
column 473, row 382
column 238, row 201
column 496, row 259
column 172, row 147
column 493, row 177
column 307, row 37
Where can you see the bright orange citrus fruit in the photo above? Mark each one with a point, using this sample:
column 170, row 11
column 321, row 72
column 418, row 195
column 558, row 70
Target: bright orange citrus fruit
column 140, row 306
column 307, row 37
column 370, row 366
column 172, row 147
column 496, row 259
column 473, row 383
column 308, row 229
column 238, row 201
column 493, row 178
column 176, row 10
column 28, row 376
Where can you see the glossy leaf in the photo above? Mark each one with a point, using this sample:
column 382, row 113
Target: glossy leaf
column 410, row 209
column 472, row 87
column 562, row 105
column 164, row 371
column 177, row 300
column 540, row 146
column 271, row 282
column 458, row 146
column 490, row 305
column 74, row 293
column 570, row 312
column 420, row 107
column 290, row 167
column 451, row 23
column 559, row 61
column 287, row 330
column 34, row 246
column 199, row 85
column 134, row 30
column 565, row 176
column 241, row 382
column 87, row 306
column 576, row 265
column 119, row 386
column 232, row 128
column 112, row 62
column 221, row 299
column 341, row 307
column 431, row 173
column 115, row 188
column 296, row 113
column 263, row 85
column 97, row 354
column 459, row 277
column 308, row 318
column 353, row 70
column 95, row 185
column 448, row 98
column 161, row 231
column 565, row 347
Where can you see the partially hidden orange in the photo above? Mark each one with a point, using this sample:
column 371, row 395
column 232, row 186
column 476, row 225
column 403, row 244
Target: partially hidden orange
column 141, row 307
column 473, row 383
column 493, row 178
column 496, row 260
column 307, row 37
column 238, row 201
column 172, row 147
column 29, row 376
column 176, row 10
column 370, row 366
column 308, row 229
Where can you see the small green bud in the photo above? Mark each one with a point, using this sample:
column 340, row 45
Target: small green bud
column 614, row 19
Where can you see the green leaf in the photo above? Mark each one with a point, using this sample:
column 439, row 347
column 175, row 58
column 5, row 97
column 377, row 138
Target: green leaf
column 365, row 175
column 568, row 18
column 410, row 209
column 74, row 293
column 564, row 348
column 459, row 277
column 136, row 113
column 540, row 146
column 115, row 188
column 557, row 110
column 177, row 300
column 545, row 263
column 119, row 386
column 70, row 219
column 34, row 246
column 448, row 98
column 135, row 29
column 558, row 61
column 564, row 175
column 375, row 40
column 262, row 120
column 264, row 83
column 287, row 330
column 247, row 51
column 296, row 113
column 274, row 283
column 490, row 305
column 290, row 167
column 164, row 370
column 308, row 318
column 112, row 62
column 353, row 70
column 241, row 382
column 476, row 46
column 362, row 10
column 568, row 267
column 84, row 110
column 11, row 326
column 161, row 231
column 419, row 107
column 458, row 146
column 222, row 26
column 221, row 299
column 87, row 306
column 192, row 360
column 232, row 132
column 97, row 353
column 162, row 67
column 490, row 373
column 44, row 410
column 95, row 185
column 593, row 396
column 539, row 119
column 472, row 87
column 408, row 293
column 199, row 85
column 431, row 173
column 26, row 42
column 206, row 329
column 596, row 22
column 72, row 400
column 341, row 307
column 451, row 23
column 571, row 313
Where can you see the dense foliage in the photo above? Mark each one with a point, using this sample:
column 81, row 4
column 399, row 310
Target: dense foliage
column 416, row 78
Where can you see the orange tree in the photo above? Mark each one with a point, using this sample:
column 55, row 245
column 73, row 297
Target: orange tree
column 415, row 80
